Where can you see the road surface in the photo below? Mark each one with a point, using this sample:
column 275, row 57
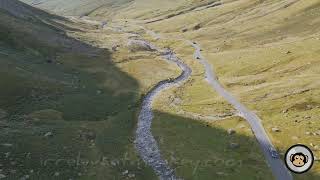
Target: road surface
column 147, row 145
column 279, row 170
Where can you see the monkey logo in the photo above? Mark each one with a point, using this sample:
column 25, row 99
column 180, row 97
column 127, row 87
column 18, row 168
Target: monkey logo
column 299, row 159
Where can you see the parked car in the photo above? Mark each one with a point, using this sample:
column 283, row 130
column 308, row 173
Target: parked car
column 274, row 153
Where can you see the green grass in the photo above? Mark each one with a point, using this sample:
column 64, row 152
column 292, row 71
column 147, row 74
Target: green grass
column 246, row 41
column 73, row 95
column 41, row 98
column 266, row 53
column 198, row 151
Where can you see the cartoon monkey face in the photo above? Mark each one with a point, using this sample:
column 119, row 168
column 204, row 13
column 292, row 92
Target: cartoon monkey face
column 298, row 159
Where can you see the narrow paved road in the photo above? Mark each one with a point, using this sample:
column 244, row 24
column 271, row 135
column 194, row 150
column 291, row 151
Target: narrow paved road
column 145, row 142
column 147, row 145
column 279, row 170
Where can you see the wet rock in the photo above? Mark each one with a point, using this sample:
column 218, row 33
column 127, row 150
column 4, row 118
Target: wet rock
column 231, row 131
column 274, row 129
column 48, row 134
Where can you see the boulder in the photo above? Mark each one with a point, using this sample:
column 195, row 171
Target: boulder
column 125, row 172
column 48, row 134
column 2, row 176
column 234, row 145
column 231, row 131
column 275, row 129
column 184, row 30
column 196, row 27
column 131, row 175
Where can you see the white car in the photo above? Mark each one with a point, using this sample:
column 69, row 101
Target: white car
column 274, row 153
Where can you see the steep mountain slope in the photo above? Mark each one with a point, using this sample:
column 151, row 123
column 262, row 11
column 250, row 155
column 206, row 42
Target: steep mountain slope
column 62, row 98
column 74, row 7
column 67, row 96
column 265, row 52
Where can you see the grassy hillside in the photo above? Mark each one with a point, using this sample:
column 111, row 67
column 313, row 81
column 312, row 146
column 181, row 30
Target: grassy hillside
column 75, row 7
column 68, row 94
column 67, row 107
column 265, row 52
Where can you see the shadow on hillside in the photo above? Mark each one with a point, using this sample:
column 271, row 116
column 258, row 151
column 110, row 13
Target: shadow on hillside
column 84, row 82
column 74, row 115
column 60, row 98
column 198, row 151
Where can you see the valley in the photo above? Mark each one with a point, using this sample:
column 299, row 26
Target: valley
column 187, row 89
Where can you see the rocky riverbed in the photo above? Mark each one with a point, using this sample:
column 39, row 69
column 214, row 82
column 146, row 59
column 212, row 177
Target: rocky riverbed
column 145, row 143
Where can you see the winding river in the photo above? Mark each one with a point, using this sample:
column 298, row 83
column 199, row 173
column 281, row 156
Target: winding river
column 145, row 143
